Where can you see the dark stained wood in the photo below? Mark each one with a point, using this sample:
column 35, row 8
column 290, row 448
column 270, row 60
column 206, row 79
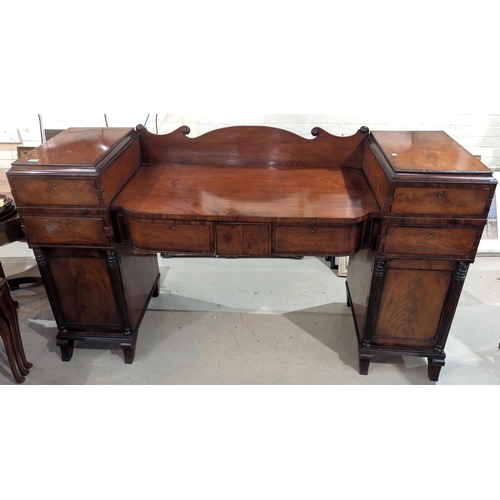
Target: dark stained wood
column 11, row 336
column 55, row 192
column 10, row 229
column 440, row 201
column 140, row 274
column 91, row 303
column 377, row 177
column 253, row 146
column 340, row 241
column 237, row 240
column 171, row 236
column 411, row 307
column 427, row 152
column 409, row 207
column 242, row 193
column 358, row 288
column 430, row 241
column 65, row 231
column 77, row 147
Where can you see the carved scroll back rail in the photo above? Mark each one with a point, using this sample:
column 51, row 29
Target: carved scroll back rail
column 253, row 146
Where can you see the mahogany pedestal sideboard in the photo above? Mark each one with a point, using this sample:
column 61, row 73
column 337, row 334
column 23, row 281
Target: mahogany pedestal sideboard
column 408, row 208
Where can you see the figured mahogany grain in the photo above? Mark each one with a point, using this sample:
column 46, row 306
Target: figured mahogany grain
column 341, row 195
column 254, row 145
column 411, row 306
column 431, row 152
column 171, row 236
column 440, row 201
column 74, row 146
column 252, row 240
column 65, row 231
column 430, row 241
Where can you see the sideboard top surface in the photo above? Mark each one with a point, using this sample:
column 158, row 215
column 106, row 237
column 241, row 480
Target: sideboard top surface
column 334, row 194
column 80, row 147
column 432, row 152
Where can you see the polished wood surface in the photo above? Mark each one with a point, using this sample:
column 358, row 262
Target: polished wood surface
column 253, row 146
column 83, row 147
column 11, row 336
column 10, row 229
column 408, row 207
column 339, row 195
column 427, row 152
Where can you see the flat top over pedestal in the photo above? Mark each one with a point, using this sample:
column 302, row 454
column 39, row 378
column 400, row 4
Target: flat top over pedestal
column 336, row 195
column 434, row 152
column 82, row 147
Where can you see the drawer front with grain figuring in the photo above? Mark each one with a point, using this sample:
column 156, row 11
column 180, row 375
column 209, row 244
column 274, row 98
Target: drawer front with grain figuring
column 65, row 231
column 55, row 192
column 240, row 240
column 339, row 241
column 171, row 236
column 442, row 201
column 430, row 241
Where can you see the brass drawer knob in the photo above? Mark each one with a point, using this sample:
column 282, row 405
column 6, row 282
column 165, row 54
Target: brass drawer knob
column 313, row 229
column 64, row 224
column 54, row 186
column 441, row 195
column 173, row 227
column 431, row 235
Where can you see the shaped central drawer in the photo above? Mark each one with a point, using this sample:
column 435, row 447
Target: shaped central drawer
column 238, row 240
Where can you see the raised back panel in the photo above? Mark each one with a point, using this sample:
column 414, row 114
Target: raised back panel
column 253, row 146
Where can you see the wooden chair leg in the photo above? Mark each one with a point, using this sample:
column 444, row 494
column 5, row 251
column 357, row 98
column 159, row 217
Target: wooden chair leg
column 11, row 315
column 9, row 349
column 11, row 335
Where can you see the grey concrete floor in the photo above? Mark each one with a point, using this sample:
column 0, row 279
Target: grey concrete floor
column 253, row 322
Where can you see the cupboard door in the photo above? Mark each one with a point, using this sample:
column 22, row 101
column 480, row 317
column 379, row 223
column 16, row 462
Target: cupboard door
column 411, row 307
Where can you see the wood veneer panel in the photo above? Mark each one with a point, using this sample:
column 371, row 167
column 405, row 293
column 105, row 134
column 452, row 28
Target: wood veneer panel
column 440, row 201
column 65, row 231
column 171, row 236
column 317, row 240
column 84, row 288
column 430, row 241
column 411, row 307
column 427, row 152
column 341, row 195
column 83, row 147
column 243, row 240
column 253, row 146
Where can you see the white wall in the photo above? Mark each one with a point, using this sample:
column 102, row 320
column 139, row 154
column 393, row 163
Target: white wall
column 478, row 133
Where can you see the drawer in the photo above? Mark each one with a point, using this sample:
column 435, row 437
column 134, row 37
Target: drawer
column 442, row 201
column 339, row 241
column 240, row 240
column 171, row 236
column 430, row 241
column 54, row 192
column 65, row 231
